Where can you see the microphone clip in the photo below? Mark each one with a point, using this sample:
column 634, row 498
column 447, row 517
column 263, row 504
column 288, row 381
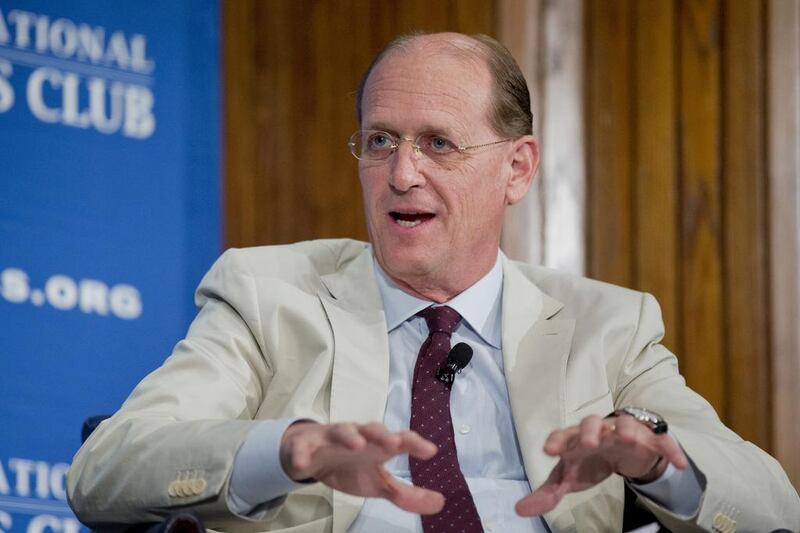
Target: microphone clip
column 447, row 373
column 457, row 359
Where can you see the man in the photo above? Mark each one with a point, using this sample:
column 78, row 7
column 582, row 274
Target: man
column 311, row 362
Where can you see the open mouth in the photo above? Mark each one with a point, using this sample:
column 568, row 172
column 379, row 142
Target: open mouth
column 410, row 220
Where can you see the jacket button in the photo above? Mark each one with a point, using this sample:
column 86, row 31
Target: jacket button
column 198, row 485
column 723, row 523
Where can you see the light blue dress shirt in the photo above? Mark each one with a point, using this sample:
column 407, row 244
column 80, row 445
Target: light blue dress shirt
column 486, row 440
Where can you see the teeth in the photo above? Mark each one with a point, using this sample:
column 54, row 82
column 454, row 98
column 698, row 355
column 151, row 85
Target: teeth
column 408, row 223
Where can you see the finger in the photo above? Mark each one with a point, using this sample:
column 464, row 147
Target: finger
column 674, row 454
column 630, row 431
column 377, row 434
column 412, row 498
column 547, row 496
column 346, row 435
column 591, row 429
column 542, row 500
column 560, row 440
column 416, row 446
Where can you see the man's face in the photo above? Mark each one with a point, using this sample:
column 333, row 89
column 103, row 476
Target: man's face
column 434, row 227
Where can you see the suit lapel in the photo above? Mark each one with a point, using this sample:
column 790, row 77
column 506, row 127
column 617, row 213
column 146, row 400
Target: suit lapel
column 360, row 373
column 536, row 346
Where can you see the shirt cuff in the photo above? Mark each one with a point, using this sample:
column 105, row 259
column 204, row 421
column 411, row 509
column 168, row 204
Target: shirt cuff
column 679, row 491
column 258, row 476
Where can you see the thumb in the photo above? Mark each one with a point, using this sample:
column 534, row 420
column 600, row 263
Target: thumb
column 545, row 498
column 541, row 501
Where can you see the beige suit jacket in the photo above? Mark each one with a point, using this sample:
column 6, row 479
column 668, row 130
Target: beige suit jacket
column 299, row 331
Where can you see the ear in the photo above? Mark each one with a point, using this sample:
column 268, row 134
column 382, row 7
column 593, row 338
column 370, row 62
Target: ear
column 524, row 160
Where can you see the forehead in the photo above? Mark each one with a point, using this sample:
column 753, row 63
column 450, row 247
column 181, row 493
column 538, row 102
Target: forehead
column 428, row 84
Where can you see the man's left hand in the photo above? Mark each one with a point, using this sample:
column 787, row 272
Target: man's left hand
column 597, row 448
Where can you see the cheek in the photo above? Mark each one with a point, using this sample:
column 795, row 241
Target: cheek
column 369, row 189
column 481, row 192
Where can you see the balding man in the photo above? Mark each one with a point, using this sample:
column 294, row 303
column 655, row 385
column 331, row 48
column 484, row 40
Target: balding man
column 321, row 373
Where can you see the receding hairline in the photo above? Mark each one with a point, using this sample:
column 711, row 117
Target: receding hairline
column 478, row 48
column 456, row 45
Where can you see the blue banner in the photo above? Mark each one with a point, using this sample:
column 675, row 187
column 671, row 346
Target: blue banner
column 109, row 215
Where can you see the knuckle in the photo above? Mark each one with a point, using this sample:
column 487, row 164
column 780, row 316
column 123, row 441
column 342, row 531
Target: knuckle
column 374, row 427
column 345, row 427
column 628, row 433
column 589, row 421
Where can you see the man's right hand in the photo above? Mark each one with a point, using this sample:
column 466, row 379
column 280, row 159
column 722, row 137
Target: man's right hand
column 350, row 457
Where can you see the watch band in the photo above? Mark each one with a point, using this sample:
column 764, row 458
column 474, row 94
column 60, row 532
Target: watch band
column 650, row 419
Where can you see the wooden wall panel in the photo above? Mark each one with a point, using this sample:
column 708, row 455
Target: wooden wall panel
column 291, row 70
column 746, row 310
column 701, row 237
column 239, row 157
column 521, row 29
column 562, row 173
column 608, row 82
column 546, row 38
column 678, row 191
column 783, row 140
column 655, row 169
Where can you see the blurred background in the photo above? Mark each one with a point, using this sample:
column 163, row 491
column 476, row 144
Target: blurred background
column 139, row 140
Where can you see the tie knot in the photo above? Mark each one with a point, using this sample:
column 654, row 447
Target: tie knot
column 441, row 319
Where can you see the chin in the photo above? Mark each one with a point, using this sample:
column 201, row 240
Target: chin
column 404, row 262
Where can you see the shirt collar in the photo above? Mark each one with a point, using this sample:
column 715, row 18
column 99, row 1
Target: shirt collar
column 479, row 305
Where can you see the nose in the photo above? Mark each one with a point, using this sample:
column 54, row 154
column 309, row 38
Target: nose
column 404, row 171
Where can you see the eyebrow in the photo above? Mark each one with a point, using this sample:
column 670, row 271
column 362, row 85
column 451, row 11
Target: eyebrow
column 435, row 130
column 382, row 126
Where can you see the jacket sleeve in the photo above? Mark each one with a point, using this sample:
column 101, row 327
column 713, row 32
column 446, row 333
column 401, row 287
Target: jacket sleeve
column 745, row 488
column 172, row 443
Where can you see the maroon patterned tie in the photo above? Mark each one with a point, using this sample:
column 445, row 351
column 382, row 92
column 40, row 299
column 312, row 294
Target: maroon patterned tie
column 430, row 417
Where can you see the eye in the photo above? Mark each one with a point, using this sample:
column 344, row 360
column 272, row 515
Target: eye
column 379, row 141
column 437, row 144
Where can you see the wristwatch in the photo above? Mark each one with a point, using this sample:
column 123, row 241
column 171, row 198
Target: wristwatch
column 650, row 419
